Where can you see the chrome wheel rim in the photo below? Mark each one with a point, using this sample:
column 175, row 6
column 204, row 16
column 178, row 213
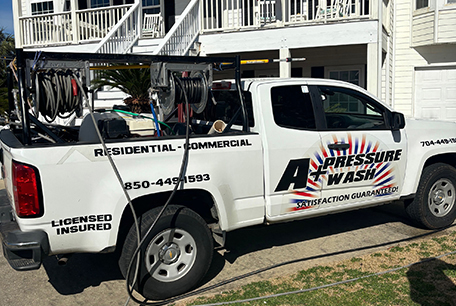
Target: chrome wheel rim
column 441, row 197
column 170, row 255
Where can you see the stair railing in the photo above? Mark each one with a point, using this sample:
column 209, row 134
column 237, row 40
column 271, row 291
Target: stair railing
column 184, row 32
column 124, row 34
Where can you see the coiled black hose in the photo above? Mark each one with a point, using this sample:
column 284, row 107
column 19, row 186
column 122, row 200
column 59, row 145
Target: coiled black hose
column 57, row 94
column 193, row 87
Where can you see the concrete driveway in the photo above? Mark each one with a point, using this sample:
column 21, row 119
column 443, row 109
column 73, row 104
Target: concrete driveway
column 94, row 279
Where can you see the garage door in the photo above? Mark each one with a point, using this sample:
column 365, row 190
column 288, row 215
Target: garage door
column 435, row 93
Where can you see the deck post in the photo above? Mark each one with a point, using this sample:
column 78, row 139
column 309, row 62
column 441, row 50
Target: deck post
column 74, row 21
column 17, row 24
column 285, row 66
column 372, row 68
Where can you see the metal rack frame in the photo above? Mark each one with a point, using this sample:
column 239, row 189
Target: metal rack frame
column 44, row 60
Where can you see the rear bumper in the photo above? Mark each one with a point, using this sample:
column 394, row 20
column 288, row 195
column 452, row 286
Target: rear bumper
column 22, row 250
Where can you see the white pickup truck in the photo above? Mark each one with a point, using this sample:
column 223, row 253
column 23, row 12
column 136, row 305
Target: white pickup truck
column 312, row 147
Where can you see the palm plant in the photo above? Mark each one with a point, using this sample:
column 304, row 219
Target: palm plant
column 7, row 52
column 134, row 82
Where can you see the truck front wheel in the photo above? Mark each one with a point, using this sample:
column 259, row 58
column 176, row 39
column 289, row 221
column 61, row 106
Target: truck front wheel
column 174, row 257
column 434, row 205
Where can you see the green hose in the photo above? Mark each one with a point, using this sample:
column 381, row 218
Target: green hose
column 135, row 114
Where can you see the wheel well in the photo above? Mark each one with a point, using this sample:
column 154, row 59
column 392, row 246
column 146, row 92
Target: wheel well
column 198, row 200
column 449, row 158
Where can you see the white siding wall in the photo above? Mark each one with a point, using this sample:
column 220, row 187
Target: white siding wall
column 406, row 58
column 409, row 57
column 25, row 8
column 447, row 26
column 423, row 29
column 384, row 77
column 387, row 67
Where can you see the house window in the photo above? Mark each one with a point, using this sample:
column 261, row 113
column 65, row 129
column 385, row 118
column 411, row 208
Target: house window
column 42, row 8
column 99, row 3
column 421, row 4
column 352, row 74
column 151, row 6
column 451, row 1
column 85, row 4
column 122, row 2
column 67, row 6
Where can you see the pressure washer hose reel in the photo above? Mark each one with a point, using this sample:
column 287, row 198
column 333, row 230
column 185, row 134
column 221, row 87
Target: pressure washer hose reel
column 196, row 86
column 57, row 94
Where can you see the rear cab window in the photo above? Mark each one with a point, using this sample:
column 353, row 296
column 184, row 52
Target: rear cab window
column 225, row 105
column 292, row 107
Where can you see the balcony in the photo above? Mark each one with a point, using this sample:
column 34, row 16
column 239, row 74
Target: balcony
column 432, row 26
column 69, row 27
column 212, row 16
column 236, row 15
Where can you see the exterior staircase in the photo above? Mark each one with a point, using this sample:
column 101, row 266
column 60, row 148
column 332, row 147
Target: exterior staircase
column 125, row 36
column 180, row 40
column 109, row 97
column 146, row 46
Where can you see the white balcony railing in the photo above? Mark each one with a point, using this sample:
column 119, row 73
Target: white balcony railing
column 46, row 29
column 221, row 15
column 61, row 28
column 96, row 23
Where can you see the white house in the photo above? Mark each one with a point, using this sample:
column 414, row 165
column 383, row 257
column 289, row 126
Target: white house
column 424, row 65
column 385, row 46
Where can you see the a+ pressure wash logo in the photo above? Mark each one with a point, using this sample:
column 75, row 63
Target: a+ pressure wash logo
column 362, row 161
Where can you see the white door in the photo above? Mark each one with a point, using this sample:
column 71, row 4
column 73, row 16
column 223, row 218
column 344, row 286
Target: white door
column 364, row 161
column 435, row 93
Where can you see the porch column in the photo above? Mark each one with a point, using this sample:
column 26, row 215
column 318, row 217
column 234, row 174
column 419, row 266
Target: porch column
column 139, row 19
column 17, row 24
column 372, row 68
column 284, row 66
column 74, row 21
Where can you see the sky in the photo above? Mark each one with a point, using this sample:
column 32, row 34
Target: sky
column 6, row 16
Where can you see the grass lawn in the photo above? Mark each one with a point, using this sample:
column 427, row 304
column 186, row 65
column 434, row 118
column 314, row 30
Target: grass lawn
column 431, row 282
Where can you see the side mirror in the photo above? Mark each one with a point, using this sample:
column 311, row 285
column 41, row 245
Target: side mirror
column 397, row 121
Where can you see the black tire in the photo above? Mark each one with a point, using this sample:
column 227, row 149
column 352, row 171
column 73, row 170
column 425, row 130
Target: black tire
column 179, row 264
column 434, row 205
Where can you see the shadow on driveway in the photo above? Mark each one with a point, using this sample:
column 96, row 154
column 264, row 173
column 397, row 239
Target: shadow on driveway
column 251, row 239
column 89, row 270
column 82, row 271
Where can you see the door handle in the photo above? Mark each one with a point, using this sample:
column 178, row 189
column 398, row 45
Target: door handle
column 339, row 146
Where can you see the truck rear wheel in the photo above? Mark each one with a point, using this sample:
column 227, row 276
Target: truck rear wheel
column 434, row 205
column 174, row 257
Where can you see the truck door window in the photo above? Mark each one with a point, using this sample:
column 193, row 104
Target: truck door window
column 223, row 105
column 347, row 109
column 292, row 107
